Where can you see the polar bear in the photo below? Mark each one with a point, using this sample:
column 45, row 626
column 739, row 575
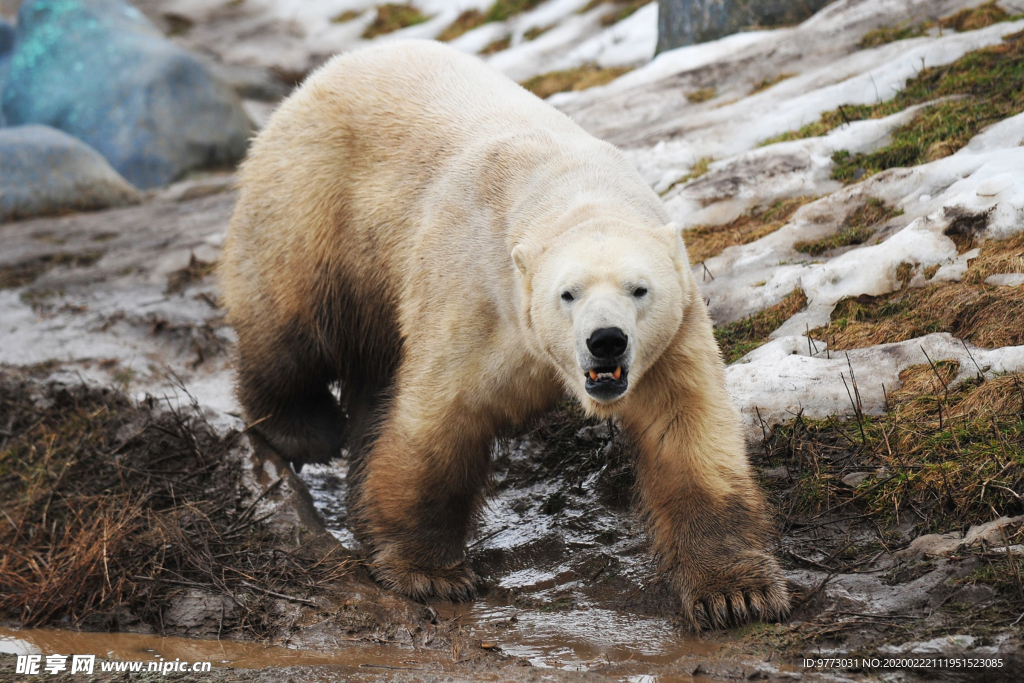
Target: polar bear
column 454, row 255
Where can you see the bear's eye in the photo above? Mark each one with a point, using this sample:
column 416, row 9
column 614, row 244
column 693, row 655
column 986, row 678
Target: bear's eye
column 640, row 292
column 567, row 296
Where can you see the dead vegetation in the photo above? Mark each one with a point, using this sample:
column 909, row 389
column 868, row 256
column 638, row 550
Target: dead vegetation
column 706, row 241
column 967, row 19
column 194, row 272
column 702, row 95
column 392, row 17
column 766, row 83
column 623, row 9
column 579, row 78
column 737, row 339
column 942, row 458
column 26, row 272
column 473, row 18
column 857, row 228
column 985, row 315
column 346, row 16
column 465, row 22
column 497, row 45
column 112, row 510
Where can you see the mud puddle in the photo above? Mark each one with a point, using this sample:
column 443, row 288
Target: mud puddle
column 568, row 583
column 132, row 647
column 578, row 641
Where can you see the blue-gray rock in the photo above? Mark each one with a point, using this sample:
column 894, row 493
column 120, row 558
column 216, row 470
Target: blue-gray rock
column 685, row 22
column 44, row 171
column 6, row 44
column 99, row 70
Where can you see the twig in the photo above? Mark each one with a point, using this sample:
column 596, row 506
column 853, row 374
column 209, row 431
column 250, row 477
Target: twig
column 277, row 595
column 981, row 374
column 252, row 505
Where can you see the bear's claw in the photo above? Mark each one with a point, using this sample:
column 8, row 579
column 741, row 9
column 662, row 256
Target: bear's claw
column 456, row 583
column 725, row 611
column 754, row 590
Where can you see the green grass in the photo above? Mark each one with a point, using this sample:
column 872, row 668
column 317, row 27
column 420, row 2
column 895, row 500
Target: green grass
column 969, row 19
column 890, row 34
column 983, row 87
column 857, row 228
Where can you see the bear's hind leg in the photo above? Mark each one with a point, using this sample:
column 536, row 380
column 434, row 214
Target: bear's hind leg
column 283, row 384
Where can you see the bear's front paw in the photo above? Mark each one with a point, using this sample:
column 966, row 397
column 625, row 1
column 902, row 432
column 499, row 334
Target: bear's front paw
column 748, row 588
column 455, row 582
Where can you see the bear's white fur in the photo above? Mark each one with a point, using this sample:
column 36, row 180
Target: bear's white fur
column 444, row 244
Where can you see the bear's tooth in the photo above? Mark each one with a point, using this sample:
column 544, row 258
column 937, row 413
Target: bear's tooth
column 618, row 372
column 593, row 375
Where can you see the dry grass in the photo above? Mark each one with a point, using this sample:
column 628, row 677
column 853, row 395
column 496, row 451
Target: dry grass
column 497, row 45
column 706, row 241
column 467, row 21
column 890, row 34
column 739, row 338
column 580, row 78
column 391, row 17
column 769, row 82
column 536, row 32
column 624, row 9
column 26, row 272
column 346, row 16
column 986, row 316
column 110, row 506
column 195, row 271
column 702, row 95
column 857, row 228
column 974, row 18
column 942, row 458
column 969, row 19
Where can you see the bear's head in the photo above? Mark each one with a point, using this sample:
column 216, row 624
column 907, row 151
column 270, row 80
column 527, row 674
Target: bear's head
column 603, row 305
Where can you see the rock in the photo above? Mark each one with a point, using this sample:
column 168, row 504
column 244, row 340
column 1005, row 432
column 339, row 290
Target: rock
column 599, row 432
column 197, row 188
column 6, row 45
column 855, row 479
column 991, row 533
column 44, row 171
column 780, row 473
column 685, row 22
column 931, row 545
column 99, row 70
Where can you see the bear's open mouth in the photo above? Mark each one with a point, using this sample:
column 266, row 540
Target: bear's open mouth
column 605, row 374
column 606, row 383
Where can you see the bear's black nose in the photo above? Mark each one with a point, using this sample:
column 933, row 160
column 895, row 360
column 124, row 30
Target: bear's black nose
column 607, row 342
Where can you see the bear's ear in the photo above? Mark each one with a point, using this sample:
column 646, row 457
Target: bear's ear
column 523, row 256
column 673, row 234
column 672, row 231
